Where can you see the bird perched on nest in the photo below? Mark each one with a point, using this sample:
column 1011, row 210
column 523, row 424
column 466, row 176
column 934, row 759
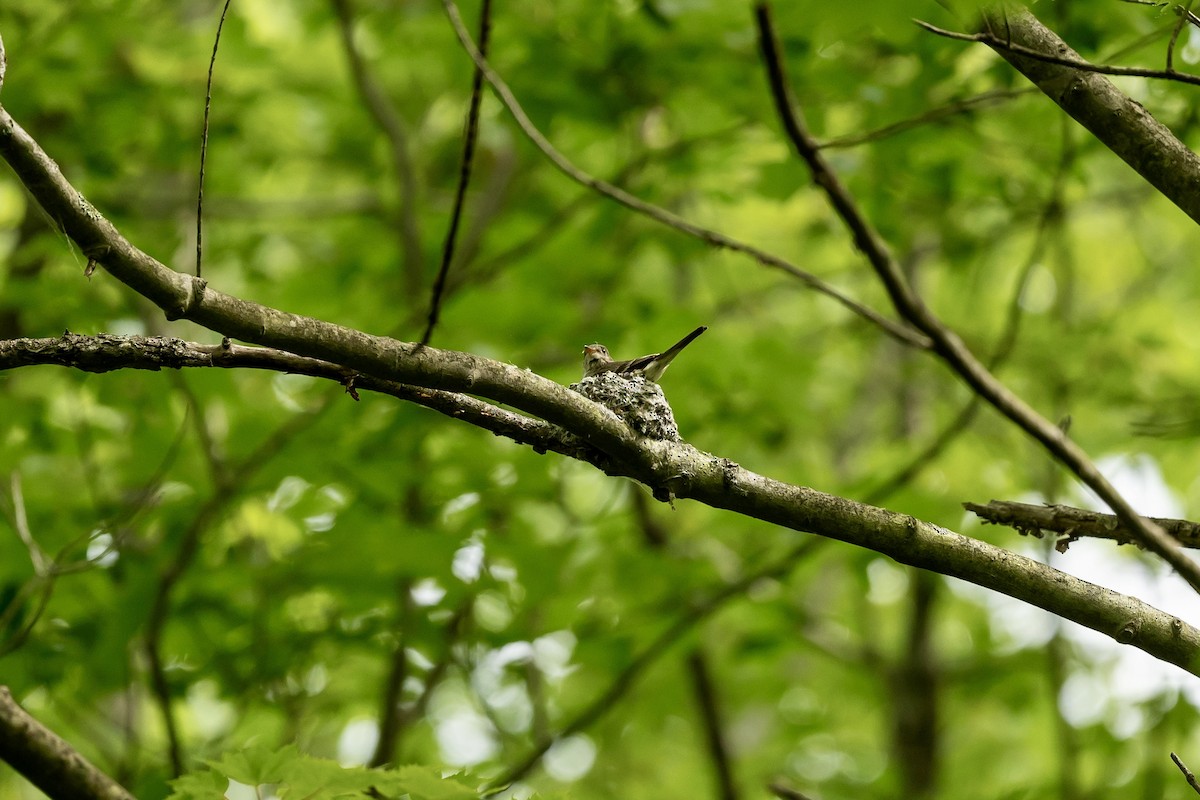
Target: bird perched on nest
column 596, row 360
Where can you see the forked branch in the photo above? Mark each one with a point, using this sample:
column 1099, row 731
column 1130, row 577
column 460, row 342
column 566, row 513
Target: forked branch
column 946, row 342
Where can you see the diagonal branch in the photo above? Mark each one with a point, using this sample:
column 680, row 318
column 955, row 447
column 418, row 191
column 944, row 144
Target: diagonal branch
column 947, row 344
column 679, row 470
column 1118, row 121
column 48, row 761
column 672, row 469
column 661, row 215
column 464, row 175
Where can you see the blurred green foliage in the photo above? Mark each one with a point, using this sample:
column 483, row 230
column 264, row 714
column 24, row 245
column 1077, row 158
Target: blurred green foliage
column 532, row 582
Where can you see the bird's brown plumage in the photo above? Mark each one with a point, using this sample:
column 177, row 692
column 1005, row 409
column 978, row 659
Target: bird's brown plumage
column 597, row 360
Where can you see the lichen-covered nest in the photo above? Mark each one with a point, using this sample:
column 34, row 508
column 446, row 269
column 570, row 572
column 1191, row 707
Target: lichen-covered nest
column 637, row 401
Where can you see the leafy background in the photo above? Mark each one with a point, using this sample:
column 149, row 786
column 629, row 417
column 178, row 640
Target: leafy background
column 520, row 586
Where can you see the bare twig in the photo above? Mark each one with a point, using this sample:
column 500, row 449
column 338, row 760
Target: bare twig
column 714, row 729
column 106, row 353
column 786, row 792
column 952, row 109
column 487, row 268
column 1183, row 18
column 1076, row 523
column 1187, row 773
column 212, row 63
column 389, row 714
column 947, row 344
column 1002, row 43
column 657, row 213
column 21, row 523
column 464, row 174
column 47, row 760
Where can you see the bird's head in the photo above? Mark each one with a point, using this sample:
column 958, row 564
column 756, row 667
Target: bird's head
column 595, row 354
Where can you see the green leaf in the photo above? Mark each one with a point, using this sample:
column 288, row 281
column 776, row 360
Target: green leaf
column 205, row 785
column 257, row 764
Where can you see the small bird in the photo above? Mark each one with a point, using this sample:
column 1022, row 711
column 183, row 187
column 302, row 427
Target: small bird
column 597, row 360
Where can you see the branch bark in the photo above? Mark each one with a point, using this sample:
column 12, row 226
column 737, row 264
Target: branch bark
column 47, row 760
column 1075, row 523
column 669, row 468
column 1120, row 122
column 680, row 470
column 946, row 343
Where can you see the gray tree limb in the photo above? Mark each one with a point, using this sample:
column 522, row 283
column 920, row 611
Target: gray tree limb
column 679, row 470
column 47, row 760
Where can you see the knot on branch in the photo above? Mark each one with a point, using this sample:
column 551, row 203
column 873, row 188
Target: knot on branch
column 188, row 299
column 639, row 403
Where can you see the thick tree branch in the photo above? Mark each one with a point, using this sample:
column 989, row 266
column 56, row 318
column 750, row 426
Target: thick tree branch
column 183, row 297
column 49, row 762
column 1119, row 122
column 947, row 344
column 106, row 353
column 669, row 468
column 689, row 473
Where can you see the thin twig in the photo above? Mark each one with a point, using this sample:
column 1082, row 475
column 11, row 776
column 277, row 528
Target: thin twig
column 661, row 215
column 947, row 344
column 21, row 523
column 212, row 63
column 786, row 792
column 998, row 43
column 487, row 268
column 464, row 173
column 389, row 715
column 1185, row 11
column 1187, row 773
column 952, row 109
column 1075, row 523
column 714, row 730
